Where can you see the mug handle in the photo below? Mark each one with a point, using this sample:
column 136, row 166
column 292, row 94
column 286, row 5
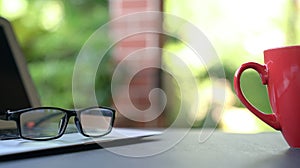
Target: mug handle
column 270, row 119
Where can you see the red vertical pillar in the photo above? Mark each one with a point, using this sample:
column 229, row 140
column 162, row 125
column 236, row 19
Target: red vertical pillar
column 137, row 51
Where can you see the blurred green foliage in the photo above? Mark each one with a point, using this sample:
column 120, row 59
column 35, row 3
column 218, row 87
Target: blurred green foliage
column 239, row 31
column 51, row 34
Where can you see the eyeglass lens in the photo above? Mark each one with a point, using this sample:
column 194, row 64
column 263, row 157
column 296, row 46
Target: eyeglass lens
column 41, row 123
column 96, row 122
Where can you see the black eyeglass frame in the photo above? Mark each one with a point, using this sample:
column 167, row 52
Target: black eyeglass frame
column 15, row 116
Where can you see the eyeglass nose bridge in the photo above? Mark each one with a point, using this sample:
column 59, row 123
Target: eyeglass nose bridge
column 73, row 113
column 78, row 125
column 65, row 121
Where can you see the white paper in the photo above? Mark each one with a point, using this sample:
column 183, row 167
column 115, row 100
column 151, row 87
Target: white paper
column 15, row 146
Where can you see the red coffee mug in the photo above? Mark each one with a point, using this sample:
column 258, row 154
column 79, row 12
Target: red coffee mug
column 281, row 74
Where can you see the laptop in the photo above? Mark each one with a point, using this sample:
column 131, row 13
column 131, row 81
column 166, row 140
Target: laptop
column 16, row 87
column 17, row 91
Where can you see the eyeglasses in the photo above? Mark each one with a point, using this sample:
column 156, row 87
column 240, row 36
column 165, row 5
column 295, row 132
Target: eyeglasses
column 46, row 123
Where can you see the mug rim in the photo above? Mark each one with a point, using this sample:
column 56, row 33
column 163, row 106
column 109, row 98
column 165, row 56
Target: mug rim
column 283, row 47
column 282, row 50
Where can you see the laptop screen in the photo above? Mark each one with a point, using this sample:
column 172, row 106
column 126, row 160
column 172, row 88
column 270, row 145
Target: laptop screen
column 12, row 91
column 16, row 87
